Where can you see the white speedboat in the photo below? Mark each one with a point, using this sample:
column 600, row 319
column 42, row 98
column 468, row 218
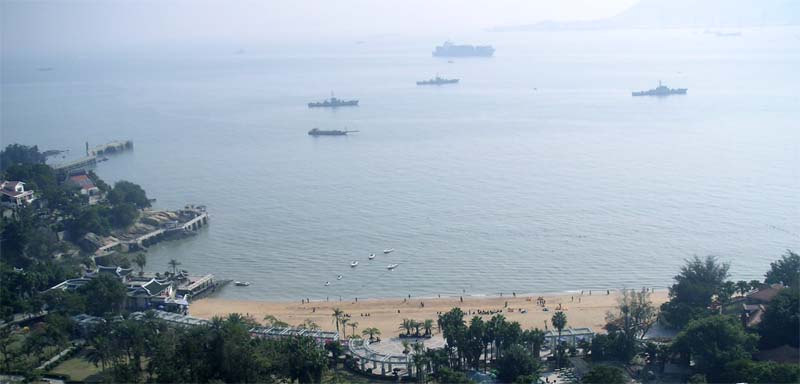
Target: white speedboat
column 354, row 264
column 242, row 283
column 371, row 256
column 327, row 283
column 339, row 277
column 390, row 250
column 392, row 266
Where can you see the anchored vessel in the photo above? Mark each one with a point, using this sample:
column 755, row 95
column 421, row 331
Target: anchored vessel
column 449, row 49
column 333, row 102
column 334, row 132
column 661, row 90
column 437, row 81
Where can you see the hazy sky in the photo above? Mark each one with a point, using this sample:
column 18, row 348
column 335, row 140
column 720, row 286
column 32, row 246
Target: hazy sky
column 58, row 26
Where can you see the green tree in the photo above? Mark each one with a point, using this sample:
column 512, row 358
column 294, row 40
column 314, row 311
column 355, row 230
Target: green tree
column 785, row 271
column 20, row 154
column 371, row 332
column 634, row 316
column 427, row 325
column 517, row 362
column 447, row 375
column 698, row 282
column 140, row 260
column 123, row 215
column 174, row 265
column 742, row 287
column 748, row 371
column 103, row 294
column 781, row 322
column 604, row 374
column 337, row 315
column 713, row 342
column 127, row 192
column 306, row 362
column 272, row 321
column 559, row 322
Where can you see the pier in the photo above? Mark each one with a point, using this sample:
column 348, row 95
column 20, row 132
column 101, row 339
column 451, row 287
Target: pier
column 83, row 164
column 110, row 148
column 200, row 219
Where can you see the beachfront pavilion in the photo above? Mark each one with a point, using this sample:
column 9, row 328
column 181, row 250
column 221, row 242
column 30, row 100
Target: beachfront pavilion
column 365, row 356
column 571, row 336
column 322, row 337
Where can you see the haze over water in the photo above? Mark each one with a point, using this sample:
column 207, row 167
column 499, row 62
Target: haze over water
column 537, row 173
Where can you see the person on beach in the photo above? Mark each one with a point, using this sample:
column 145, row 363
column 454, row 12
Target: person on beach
column 572, row 299
column 461, row 298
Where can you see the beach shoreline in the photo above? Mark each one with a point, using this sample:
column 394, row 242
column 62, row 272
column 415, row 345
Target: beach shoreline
column 386, row 314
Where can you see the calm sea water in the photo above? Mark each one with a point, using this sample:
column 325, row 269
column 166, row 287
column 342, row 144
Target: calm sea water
column 537, row 173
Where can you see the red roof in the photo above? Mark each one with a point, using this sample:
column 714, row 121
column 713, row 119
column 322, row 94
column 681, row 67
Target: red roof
column 83, row 181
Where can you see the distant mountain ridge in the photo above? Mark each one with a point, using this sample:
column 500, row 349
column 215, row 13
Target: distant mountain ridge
column 685, row 13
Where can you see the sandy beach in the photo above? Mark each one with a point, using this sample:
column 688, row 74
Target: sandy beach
column 582, row 310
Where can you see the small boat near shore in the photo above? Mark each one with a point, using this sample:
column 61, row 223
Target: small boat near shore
column 242, row 283
column 354, row 264
column 371, row 256
column 392, row 266
column 388, row 251
column 327, row 283
column 339, row 277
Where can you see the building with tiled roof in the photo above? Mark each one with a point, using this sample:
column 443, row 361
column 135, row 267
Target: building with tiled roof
column 85, row 184
column 14, row 192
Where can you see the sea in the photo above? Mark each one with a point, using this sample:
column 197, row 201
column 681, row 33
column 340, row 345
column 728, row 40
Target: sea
column 538, row 172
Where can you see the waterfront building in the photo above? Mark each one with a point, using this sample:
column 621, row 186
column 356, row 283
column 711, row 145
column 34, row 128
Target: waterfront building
column 322, row 337
column 14, row 192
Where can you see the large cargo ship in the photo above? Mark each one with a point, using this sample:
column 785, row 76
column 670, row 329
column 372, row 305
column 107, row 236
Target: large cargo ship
column 437, row 81
column 449, row 49
column 661, row 90
column 333, row 102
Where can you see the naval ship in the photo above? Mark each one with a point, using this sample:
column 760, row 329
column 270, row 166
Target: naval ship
column 437, row 81
column 449, row 49
column 661, row 90
column 335, row 132
column 333, row 102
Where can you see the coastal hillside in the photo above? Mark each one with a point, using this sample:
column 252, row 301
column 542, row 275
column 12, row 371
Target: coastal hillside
column 685, row 13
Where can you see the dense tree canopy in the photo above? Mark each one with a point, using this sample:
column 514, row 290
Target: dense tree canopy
column 748, row 371
column 604, row 374
column 127, row 192
column 781, row 322
column 785, row 271
column 698, row 282
column 517, row 362
column 714, row 341
column 20, row 154
column 103, row 294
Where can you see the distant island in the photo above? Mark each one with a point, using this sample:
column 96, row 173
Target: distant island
column 683, row 14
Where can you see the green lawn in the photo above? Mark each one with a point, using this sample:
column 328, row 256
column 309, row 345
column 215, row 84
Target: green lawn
column 77, row 368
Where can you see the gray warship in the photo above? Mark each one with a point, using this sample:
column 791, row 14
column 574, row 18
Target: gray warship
column 661, row 90
column 449, row 49
column 437, row 81
column 333, row 102
column 334, row 132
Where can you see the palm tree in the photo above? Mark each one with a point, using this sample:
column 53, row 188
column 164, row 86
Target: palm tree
column 416, row 325
column 428, row 326
column 407, row 325
column 536, row 338
column 174, row 265
column 140, row 260
column 372, row 332
column 743, row 287
column 559, row 321
column 344, row 321
column 354, row 325
column 337, row 315
column 308, row 324
column 273, row 321
column 755, row 284
column 421, row 361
